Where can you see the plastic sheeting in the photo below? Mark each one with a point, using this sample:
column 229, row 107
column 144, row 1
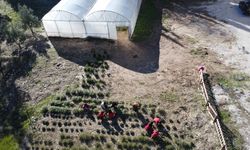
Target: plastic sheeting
column 94, row 18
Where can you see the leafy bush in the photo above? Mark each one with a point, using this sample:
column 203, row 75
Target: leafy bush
column 78, row 112
column 84, row 137
column 57, row 103
column 61, row 97
column 45, row 110
column 89, row 69
column 91, row 81
column 59, row 110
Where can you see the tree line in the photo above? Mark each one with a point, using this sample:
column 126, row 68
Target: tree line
column 13, row 25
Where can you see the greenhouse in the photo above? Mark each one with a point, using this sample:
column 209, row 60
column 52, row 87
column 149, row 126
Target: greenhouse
column 91, row 18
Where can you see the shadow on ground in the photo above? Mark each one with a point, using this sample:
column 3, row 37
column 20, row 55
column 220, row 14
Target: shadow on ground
column 12, row 98
column 142, row 57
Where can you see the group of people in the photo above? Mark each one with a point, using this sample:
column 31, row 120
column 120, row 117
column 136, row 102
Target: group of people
column 152, row 127
column 107, row 111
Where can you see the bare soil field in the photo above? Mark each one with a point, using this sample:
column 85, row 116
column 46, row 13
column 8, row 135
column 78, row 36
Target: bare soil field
column 160, row 73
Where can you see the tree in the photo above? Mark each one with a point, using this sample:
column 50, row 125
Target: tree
column 4, row 21
column 15, row 34
column 28, row 19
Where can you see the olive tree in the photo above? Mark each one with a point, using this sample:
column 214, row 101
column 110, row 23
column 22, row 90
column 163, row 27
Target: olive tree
column 28, row 19
column 15, row 34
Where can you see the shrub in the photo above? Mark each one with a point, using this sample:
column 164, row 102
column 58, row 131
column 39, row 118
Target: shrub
column 45, row 123
column 91, row 81
column 61, row 97
column 108, row 145
column 100, row 95
column 59, row 110
column 85, row 138
column 162, row 112
column 89, row 69
column 98, row 146
column 57, row 103
column 78, row 112
column 85, row 85
column 68, row 104
column 45, row 110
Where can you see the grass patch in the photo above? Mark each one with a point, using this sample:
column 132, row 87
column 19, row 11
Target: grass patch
column 199, row 51
column 234, row 80
column 145, row 21
column 234, row 141
column 35, row 110
column 225, row 116
column 169, row 96
column 9, row 143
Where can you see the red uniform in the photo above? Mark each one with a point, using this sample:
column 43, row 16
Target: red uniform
column 157, row 120
column 101, row 115
column 155, row 134
column 111, row 115
column 148, row 126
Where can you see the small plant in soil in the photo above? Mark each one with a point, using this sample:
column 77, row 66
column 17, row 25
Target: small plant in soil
column 45, row 110
column 76, row 99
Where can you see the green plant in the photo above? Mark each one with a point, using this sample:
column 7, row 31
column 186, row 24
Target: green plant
column 145, row 21
column 108, row 145
column 169, row 96
column 59, row 110
column 45, row 110
column 84, row 137
column 9, row 143
column 78, row 112
column 162, row 112
column 225, row 116
column 91, row 81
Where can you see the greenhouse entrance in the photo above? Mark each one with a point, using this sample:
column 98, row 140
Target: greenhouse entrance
column 122, row 33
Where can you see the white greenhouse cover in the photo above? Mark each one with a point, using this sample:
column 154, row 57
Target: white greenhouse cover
column 96, row 18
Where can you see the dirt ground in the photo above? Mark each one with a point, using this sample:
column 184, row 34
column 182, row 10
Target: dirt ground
column 149, row 71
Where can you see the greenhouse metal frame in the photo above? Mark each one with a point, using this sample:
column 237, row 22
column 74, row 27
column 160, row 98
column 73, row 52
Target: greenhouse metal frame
column 91, row 18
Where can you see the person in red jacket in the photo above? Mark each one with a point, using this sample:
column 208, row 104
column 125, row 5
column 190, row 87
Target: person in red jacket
column 155, row 134
column 101, row 115
column 157, row 120
column 111, row 114
column 149, row 127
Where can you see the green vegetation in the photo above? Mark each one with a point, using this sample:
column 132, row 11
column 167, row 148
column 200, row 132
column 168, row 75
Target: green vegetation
column 225, row 116
column 9, row 143
column 234, row 141
column 28, row 19
column 169, row 96
column 16, row 23
column 146, row 20
column 35, row 110
column 199, row 51
column 234, row 80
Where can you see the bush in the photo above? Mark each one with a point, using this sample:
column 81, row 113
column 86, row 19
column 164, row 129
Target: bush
column 46, row 123
column 68, row 104
column 162, row 112
column 57, row 103
column 85, row 138
column 100, row 95
column 78, row 112
column 61, row 97
column 108, row 145
column 45, row 110
column 59, row 110
column 91, row 81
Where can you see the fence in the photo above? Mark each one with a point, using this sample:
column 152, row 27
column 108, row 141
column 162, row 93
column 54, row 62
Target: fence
column 211, row 109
